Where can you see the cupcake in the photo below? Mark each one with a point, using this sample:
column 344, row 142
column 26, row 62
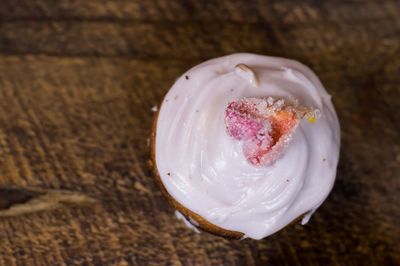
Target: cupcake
column 245, row 144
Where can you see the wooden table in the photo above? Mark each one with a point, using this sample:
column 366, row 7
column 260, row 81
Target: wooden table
column 78, row 80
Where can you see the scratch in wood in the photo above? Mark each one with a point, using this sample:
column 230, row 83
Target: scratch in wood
column 20, row 201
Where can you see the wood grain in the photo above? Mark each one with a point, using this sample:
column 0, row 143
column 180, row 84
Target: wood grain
column 78, row 80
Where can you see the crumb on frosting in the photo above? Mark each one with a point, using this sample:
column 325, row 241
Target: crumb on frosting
column 245, row 72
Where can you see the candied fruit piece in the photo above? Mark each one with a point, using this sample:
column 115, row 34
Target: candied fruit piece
column 264, row 126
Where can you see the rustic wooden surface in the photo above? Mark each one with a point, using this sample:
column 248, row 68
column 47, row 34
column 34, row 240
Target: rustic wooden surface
column 77, row 83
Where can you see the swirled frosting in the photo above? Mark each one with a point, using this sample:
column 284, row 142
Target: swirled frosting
column 204, row 169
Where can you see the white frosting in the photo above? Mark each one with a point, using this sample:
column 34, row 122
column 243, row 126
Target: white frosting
column 188, row 224
column 205, row 170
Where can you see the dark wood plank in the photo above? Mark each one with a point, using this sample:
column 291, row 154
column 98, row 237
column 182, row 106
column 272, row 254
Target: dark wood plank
column 273, row 11
column 196, row 40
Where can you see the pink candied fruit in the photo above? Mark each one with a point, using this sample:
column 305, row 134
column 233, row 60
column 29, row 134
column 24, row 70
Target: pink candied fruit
column 263, row 125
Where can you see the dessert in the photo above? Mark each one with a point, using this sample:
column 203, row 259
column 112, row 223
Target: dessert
column 245, row 144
